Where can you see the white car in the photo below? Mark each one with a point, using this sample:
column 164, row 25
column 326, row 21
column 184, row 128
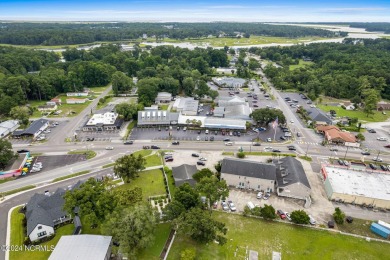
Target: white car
column 202, row 159
column 377, row 159
column 232, row 206
column 382, row 139
column 312, row 220
column 259, row 195
column 287, row 216
column 291, row 121
column 109, row 148
column 224, row 205
column 269, row 139
column 268, row 148
column 198, row 138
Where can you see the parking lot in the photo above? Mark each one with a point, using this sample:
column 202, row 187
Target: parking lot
column 373, row 144
column 50, row 131
column 184, row 157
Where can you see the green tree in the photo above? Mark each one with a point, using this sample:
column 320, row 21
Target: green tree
column 187, row 196
column 188, row 254
column 370, row 101
column 264, row 116
column 241, row 154
column 173, row 210
column 121, row 83
column 200, row 226
column 188, row 86
column 253, row 64
column 127, row 111
column 20, row 113
column 339, row 216
column 360, row 137
column 268, row 212
column 203, row 89
column 213, row 189
column 129, row 166
column 6, row 153
column 205, row 172
column 128, row 197
column 213, row 94
column 93, row 199
column 300, row 217
column 132, row 227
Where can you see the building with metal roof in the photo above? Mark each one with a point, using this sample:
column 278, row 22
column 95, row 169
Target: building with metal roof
column 231, row 101
column 238, row 112
column 85, row 247
column 361, row 187
column 224, row 123
column 187, row 106
column 157, row 117
column 107, row 121
column 229, row 82
column 7, row 127
column 163, row 97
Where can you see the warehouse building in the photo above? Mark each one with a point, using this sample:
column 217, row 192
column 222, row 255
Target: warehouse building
column 157, row 117
column 229, row 82
column 231, row 101
column 360, row 187
column 7, row 127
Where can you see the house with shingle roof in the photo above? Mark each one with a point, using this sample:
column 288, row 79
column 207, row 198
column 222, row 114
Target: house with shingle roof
column 183, row 174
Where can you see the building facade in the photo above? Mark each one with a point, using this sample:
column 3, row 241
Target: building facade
column 108, row 121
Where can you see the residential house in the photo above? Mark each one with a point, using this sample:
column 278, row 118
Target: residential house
column 76, row 100
column 48, row 107
column 183, row 174
column 249, row 175
column 85, row 247
column 291, row 179
column 163, row 97
column 58, row 101
column 7, row 127
column 43, row 213
column 383, row 105
column 77, row 94
column 333, row 135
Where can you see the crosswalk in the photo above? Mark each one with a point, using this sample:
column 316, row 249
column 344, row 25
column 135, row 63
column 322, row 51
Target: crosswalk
column 308, row 143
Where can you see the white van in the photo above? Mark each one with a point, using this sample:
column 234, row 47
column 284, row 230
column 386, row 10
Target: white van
column 250, row 205
column 206, row 132
column 229, row 143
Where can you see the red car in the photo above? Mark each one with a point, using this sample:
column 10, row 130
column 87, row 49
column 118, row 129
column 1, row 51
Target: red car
column 281, row 214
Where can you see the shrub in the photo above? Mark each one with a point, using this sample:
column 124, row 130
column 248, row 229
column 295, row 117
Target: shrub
column 241, row 155
column 300, row 217
column 339, row 216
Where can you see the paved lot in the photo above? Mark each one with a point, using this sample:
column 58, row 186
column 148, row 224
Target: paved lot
column 372, row 143
column 184, row 157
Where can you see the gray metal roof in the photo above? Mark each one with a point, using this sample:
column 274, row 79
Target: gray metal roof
column 157, row 117
column 249, row 168
column 318, row 115
column 219, row 111
column 223, row 123
column 42, row 209
column 85, row 247
column 294, row 170
column 238, row 111
column 183, row 174
column 35, row 126
column 231, row 101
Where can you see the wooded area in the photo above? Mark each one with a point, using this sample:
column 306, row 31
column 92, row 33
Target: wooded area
column 72, row 33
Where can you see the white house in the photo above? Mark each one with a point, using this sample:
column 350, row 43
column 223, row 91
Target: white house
column 77, row 94
column 245, row 174
column 43, row 213
column 76, row 100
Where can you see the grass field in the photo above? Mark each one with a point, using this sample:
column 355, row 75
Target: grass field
column 17, row 238
column 66, row 109
column 376, row 117
column 301, row 64
column 151, row 182
column 164, row 107
column 154, row 250
column 143, row 152
column 293, row 242
column 153, row 160
column 70, row 176
column 253, row 40
column 90, row 154
column 29, row 187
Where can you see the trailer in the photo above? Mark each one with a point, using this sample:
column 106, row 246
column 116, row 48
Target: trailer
column 384, row 224
column 379, row 230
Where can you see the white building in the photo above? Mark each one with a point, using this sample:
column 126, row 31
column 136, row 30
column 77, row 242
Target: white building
column 83, row 247
column 76, row 100
column 77, row 94
column 229, row 82
column 7, row 127
column 103, row 122
column 187, row 106
column 231, row 101
column 163, row 97
column 245, row 174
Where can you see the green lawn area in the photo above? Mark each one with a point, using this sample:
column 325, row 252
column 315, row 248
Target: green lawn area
column 142, row 152
column 153, row 160
column 106, row 101
column 28, row 187
column 151, row 182
column 301, row 64
column 221, row 42
column 294, row 242
column 164, row 107
column 99, row 90
column 66, row 109
column 90, row 154
column 359, row 227
column 376, row 117
column 130, row 127
column 154, row 250
column 17, row 238
column 171, row 182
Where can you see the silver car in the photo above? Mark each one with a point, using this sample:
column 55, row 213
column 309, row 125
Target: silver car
column 224, row 205
column 232, row 206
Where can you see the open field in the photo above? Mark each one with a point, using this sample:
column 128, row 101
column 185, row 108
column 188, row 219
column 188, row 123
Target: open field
column 17, row 238
column 252, row 40
column 151, row 182
column 67, row 109
column 153, row 160
column 294, row 242
column 301, row 64
column 376, row 117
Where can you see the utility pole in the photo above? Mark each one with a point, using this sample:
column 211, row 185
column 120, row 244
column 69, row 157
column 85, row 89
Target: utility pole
column 346, row 152
column 307, row 149
column 379, row 151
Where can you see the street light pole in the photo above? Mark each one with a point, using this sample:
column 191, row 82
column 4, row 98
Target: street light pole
column 379, row 151
column 346, row 152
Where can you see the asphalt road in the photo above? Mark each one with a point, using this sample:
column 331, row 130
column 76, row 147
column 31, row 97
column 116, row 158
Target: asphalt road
column 23, row 198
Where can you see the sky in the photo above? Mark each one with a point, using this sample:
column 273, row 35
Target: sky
column 197, row 11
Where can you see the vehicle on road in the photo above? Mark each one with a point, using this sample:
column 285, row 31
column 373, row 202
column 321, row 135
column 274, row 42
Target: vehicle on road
column 276, row 151
column 372, row 131
column 366, row 153
column 23, row 151
column 340, row 162
column 155, row 147
column 292, row 121
column 256, row 144
column 195, row 155
column 109, row 148
column 333, row 149
column 283, row 138
column 377, row 159
column 381, row 138
column 281, row 214
column 387, row 146
column 229, row 143
column 175, row 142
column 232, row 206
column 383, row 167
column 346, row 163
column 268, row 148
column 128, row 142
column 291, row 148
column 269, row 139
column 168, row 159
column 212, row 138
column 200, row 163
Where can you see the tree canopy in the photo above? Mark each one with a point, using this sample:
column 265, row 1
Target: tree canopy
column 128, row 167
column 6, row 153
column 264, row 116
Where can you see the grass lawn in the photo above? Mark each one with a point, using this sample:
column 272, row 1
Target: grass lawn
column 164, row 107
column 301, row 64
column 90, row 154
column 154, row 250
column 99, row 89
column 101, row 105
column 376, row 117
column 151, row 182
column 130, row 127
column 143, row 152
column 293, row 242
column 70, row 176
column 171, row 182
column 359, row 227
column 17, row 238
column 153, row 160
column 29, row 187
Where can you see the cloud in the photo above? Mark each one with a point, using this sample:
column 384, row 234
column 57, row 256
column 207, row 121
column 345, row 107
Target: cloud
column 352, row 9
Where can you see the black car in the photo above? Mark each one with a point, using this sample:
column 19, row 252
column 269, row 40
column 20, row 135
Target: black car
column 155, row 147
column 257, row 144
column 373, row 166
column 128, row 142
column 235, row 133
column 384, row 168
column 276, row 151
column 195, row 155
column 200, row 163
column 238, row 134
column 212, row 138
column 169, row 159
column 366, row 153
column 199, row 132
column 340, row 162
column 226, row 140
column 23, row 151
column 283, row 138
column 372, row 131
column 176, row 143
column 291, row 148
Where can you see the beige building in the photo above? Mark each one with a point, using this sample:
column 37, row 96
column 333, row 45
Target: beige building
column 245, row 174
column 360, row 187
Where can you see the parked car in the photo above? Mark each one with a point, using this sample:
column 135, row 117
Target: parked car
column 281, row 214
column 175, row 142
column 128, row 142
column 372, row 131
column 256, row 144
column 383, row 167
column 146, row 147
column 291, row 148
column 387, row 146
column 23, row 151
column 366, row 153
column 269, row 139
column 267, row 195
column 224, row 205
column 212, row 138
column 109, row 148
column 215, row 205
column 312, row 220
column 377, row 159
column 372, row 166
column 198, row 138
column 283, row 138
column 168, row 159
column 200, row 163
column 226, row 140
column 232, row 206
column 155, row 147
column 381, row 138
column 346, row 163
column 206, row 138
column 276, row 151
column 195, row 155
column 287, row 216
column 202, row 159
column 259, row 195
column 229, row 143
column 340, row 162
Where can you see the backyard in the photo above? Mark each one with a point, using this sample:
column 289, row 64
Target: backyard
column 376, row 117
column 292, row 241
column 17, row 238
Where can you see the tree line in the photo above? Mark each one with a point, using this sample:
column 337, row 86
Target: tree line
column 342, row 70
column 81, row 33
